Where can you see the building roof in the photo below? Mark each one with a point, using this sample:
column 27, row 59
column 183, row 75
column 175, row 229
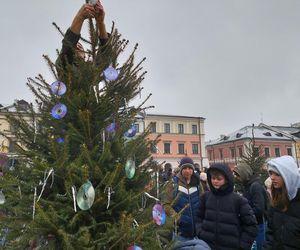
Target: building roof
column 259, row 132
column 176, row 116
column 21, row 104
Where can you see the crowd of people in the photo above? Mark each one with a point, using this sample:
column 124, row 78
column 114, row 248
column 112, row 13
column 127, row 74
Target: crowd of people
column 210, row 214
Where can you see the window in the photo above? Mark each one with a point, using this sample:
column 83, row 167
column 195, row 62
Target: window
column 232, row 152
column 210, row 155
column 194, row 129
column 289, row 151
column 180, row 148
column 240, row 152
column 167, row 148
column 153, row 127
column 195, row 148
column 277, row 152
column 167, row 128
column 256, row 151
column 221, row 153
column 12, row 146
column 267, row 152
column 137, row 127
column 180, row 129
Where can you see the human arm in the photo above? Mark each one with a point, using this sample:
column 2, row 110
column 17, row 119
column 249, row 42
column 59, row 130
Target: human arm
column 257, row 192
column 72, row 35
column 268, row 244
column 99, row 17
column 248, row 223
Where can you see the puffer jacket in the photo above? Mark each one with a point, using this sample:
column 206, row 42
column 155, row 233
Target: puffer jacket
column 226, row 220
column 184, row 199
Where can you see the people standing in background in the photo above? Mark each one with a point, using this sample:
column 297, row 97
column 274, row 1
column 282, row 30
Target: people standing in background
column 284, row 217
column 226, row 220
column 256, row 194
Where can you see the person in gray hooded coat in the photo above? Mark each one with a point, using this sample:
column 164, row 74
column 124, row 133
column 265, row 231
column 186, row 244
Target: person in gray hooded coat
column 257, row 196
column 284, row 218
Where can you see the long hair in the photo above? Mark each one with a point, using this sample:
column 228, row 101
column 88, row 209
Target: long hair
column 280, row 199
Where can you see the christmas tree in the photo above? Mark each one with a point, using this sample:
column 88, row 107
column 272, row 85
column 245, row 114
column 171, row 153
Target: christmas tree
column 83, row 171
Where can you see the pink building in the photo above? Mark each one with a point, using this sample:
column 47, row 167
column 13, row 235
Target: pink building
column 229, row 148
column 179, row 136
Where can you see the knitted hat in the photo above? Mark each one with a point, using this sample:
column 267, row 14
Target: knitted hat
column 186, row 162
column 273, row 169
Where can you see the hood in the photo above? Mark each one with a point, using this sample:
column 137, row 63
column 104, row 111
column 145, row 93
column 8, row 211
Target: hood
column 244, row 171
column 287, row 168
column 226, row 171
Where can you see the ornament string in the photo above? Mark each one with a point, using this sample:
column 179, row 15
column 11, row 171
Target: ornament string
column 51, row 172
column 109, row 192
column 34, row 202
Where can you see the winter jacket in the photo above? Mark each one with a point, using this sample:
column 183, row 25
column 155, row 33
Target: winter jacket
column 184, row 198
column 254, row 191
column 67, row 53
column 283, row 231
column 226, row 220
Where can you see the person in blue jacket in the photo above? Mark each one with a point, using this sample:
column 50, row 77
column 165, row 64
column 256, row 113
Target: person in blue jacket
column 226, row 220
column 182, row 200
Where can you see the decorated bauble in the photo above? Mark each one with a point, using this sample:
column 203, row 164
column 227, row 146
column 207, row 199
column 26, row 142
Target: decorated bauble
column 134, row 247
column 60, row 140
column 131, row 132
column 111, row 74
column 130, row 168
column 111, row 128
column 158, row 214
column 2, row 198
column 58, row 88
column 59, row 111
column 85, row 196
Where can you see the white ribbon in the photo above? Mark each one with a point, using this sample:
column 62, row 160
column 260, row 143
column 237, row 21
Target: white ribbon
column 74, row 197
column 33, row 207
column 45, row 182
column 109, row 192
column 150, row 196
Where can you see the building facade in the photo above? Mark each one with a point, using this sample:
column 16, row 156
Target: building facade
column 230, row 148
column 179, row 136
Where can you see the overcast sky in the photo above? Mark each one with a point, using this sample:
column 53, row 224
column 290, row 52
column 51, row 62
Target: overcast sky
column 233, row 62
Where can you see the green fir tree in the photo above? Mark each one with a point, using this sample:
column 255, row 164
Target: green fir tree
column 58, row 156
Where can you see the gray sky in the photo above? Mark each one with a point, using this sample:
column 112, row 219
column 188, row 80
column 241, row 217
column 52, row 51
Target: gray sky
column 234, row 62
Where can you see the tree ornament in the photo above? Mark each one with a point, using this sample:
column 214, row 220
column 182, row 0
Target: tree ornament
column 2, row 198
column 111, row 74
column 86, row 196
column 131, row 132
column 158, row 214
column 59, row 111
column 130, row 168
column 58, row 88
column 134, row 247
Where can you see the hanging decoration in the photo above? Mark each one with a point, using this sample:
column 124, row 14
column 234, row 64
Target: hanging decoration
column 158, row 214
column 111, row 74
column 134, row 247
column 59, row 111
column 85, row 196
column 58, row 88
column 109, row 192
column 51, row 172
column 130, row 168
column 74, row 198
column 2, row 197
column 131, row 132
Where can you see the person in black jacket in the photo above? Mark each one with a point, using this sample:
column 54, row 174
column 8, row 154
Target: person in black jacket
column 71, row 48
column 283, row 231
column 257, row 196
column 226, row 220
